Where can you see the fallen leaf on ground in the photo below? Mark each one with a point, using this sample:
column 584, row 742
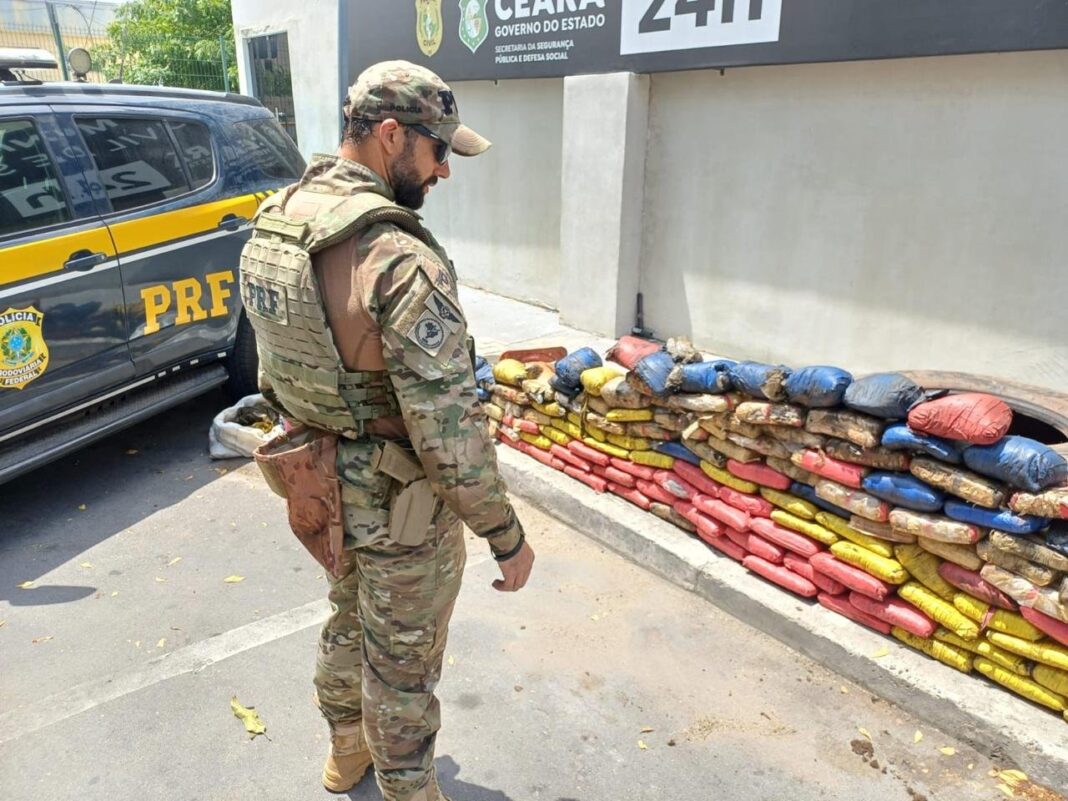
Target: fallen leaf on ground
column 161, row 580
column 86, row 565
column 452, row 660
column 595, row 617
column 81, row 507
column 642, row 745
column 174, row 561
column 249, row 716
column 233, row 579
column 114, row 593
column 162, row 642
column 26, row 585
column 947, row 751
column 1012, row 776
column 646, row 729
column 880, row 653
column 844, row 689
column 42, row 639
column 1007, row 790
column 3, row 623
column 865, row 732
column 917, row 736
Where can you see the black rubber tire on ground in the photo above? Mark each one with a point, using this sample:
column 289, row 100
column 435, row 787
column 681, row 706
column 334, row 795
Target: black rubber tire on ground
column 243, row 363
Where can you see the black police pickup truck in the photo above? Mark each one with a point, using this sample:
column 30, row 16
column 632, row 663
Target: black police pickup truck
column 123, row 211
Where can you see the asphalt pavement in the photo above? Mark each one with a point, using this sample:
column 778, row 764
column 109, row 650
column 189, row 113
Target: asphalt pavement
column 165, row 583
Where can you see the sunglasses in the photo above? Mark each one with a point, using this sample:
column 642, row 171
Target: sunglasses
column 441, row 147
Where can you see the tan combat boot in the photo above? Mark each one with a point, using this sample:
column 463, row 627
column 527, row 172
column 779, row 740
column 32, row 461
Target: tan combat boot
column 348, row 760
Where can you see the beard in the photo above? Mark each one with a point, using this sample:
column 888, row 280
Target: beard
column 408, row 186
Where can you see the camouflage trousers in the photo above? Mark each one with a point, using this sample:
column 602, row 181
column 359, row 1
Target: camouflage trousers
column 380, row 654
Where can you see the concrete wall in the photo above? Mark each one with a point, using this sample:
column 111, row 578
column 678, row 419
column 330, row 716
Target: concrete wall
column 312, row 27
column 499, row 214
column 878, row 215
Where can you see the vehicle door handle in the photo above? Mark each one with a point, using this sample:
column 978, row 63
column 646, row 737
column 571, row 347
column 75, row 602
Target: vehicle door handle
column 84, row 260
column 231, row 222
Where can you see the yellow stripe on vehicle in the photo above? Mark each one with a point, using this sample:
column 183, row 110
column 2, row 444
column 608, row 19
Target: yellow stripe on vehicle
column 34, row 259
column 158, row 229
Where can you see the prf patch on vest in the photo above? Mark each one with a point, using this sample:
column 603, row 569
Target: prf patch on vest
column 265, row 299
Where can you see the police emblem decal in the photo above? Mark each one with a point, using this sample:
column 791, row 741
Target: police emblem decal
column 474, row 24
column 428, row 333
column 23, row 351
column 428, row 25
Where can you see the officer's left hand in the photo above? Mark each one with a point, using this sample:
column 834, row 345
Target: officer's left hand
column 516, row 570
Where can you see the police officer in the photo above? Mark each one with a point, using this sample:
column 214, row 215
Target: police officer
column 371, row 345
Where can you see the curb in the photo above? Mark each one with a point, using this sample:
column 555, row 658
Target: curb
column 982, row 715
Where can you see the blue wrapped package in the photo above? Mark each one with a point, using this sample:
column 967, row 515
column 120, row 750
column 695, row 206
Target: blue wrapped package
column 899, row 437
column 1019, row 461
column 760, row 380
column 807, row 493
column 678, row 451
column 570, row 368
column 704, row 377
column 483, row 378
column 901, row 489
column 654, row 371
column 886, row 395
column 1001, row 519
column 818, row 387
column 1057, row 537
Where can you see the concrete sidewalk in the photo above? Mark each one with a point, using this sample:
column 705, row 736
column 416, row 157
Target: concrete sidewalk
column 991, row 719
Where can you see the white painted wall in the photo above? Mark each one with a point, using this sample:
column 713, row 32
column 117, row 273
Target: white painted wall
column 499, row 213
column 314, row 53
column 877, row 215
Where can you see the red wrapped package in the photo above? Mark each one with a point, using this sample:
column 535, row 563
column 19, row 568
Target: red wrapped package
column 777, row 574
column 675, row 484
column 852, row 475
column 753, row 504
column 721, row 511
column 841, row 605
column 784, row 537
column 707, row 528
column 629, row 350
column 852, row 577
column 637, row 470
column 802, row 567
column 564, row 455
column 975, row 585
column 697, row 477
column 759, row 473
column 655, row 492
column 970, row 416
column 593, row 482
column 1056, row 629
column 630, row 494
column 591, row 455
column 896, row 612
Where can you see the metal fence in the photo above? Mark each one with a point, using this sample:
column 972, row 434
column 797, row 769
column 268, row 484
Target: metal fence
column 194, row 64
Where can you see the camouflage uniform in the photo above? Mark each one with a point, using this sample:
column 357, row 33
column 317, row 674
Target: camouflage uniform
column 388, row 297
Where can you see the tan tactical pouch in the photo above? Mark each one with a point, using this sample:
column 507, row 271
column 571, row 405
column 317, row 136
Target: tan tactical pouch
column 301, row 466
column 412, row 510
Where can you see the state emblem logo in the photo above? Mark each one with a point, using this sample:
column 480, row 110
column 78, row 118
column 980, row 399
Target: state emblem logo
column 428, row 25
column 23, row 352
column 474, row 24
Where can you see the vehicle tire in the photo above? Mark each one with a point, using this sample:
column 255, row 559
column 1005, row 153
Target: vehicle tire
column 243, row 364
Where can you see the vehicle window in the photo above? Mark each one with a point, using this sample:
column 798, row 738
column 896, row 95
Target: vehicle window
column 30, row 192
column 194, row 143
column 136, row 160
column 273, row 152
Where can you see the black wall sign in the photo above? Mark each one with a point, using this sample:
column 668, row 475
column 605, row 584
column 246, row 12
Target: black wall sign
column 473, row 39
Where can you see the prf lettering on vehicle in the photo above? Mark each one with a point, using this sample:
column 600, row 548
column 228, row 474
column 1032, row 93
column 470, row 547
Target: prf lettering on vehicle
column 187, row 297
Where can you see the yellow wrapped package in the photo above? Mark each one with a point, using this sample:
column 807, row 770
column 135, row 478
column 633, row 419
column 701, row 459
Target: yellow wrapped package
column 534, row 416
column 790, row 503
column 630, row 443
column 493, row 411
column 537, row 440
column 1046, row 652
column 888, row 570
column 555, row 434
column 1009, row 661
column 943, row 634
column 509, row 371
column 924, row 568
column 730, row 480
column 946, row 654
column 574, row 417
column 629, row 415
column 552, row 409
column 652, row 459
column 945, row 613
column 1031, row 690
column 999, row 620
column 1051, row 678
column 604, row 447
column 806, row 527
column 841, row 527
column 600, row 421
column 595, row 433
column 594, row 379
column 569, row 428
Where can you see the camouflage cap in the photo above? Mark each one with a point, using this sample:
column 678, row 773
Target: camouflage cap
column 412, row 94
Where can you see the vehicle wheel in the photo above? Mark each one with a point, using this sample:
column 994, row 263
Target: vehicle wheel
column 243, row 363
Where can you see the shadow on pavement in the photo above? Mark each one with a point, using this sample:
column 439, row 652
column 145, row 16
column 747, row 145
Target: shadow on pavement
column 52, row 514
column 448, row 770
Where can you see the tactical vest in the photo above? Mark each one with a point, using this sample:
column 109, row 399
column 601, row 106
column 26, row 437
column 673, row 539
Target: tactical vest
column 284, row 305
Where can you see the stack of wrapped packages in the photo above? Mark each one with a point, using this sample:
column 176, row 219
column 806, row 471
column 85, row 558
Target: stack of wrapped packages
column 913, row 513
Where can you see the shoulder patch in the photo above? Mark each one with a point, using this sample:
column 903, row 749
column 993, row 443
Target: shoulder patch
column 428, row 332
column 445, row 309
